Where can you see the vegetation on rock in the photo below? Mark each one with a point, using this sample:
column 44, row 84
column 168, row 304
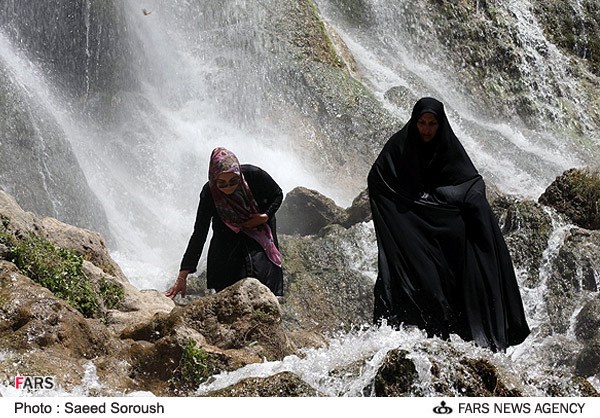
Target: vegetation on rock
column 195, row 366
column 60, row 270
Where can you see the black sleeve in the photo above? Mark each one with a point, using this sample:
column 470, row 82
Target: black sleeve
column 266, row 191
column 198, row 238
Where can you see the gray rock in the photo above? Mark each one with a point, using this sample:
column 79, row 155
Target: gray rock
column 576, row 194
column 588, row 360
column 587, row 325
column 526, row 229
column 37, row 164
column 360, row 210
column 573, row 276
column 401, row 97
column 305, row 212
column 328, row 283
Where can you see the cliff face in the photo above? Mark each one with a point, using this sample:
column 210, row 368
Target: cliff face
column 277, row 71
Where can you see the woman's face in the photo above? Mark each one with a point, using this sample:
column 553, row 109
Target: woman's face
column 228, row 182
column 427, row 125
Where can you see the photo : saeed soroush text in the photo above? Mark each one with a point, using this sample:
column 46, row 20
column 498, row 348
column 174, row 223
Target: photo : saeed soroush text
column 89, row 408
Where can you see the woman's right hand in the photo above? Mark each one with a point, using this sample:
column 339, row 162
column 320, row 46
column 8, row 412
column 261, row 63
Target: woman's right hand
column 179, row 286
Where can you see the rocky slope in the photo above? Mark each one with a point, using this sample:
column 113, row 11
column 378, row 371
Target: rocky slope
column 139, row 340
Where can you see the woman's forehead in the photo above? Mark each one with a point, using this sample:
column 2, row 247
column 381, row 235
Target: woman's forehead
column 227, row 175
column 428, row 116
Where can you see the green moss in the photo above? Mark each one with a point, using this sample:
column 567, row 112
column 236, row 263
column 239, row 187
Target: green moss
column 61, row 271
column 586, row 183
column 58, row 269
column 195, row 366
column 111, row 293
column 262, row 316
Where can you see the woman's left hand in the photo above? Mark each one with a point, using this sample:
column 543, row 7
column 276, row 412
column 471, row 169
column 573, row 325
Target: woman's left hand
column 255, row 220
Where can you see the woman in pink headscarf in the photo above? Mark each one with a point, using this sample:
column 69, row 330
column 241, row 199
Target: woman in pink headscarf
column 240, row 201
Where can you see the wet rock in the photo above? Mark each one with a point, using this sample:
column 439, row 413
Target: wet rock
column 246, row 312
column 225, row 331
column 322, row 100
column 284, row 384
column 328, row 280
column 486, row 380
column 588, row 360
column 396, row 376
column 400, row 96
column 88, row 40
column 570, row 28
column 359, row 211
column 526, row 228
column 587, row 323
column 576, row 194
column 358, row 13
column 37, row 164
column 305, row 212
column 573, row 276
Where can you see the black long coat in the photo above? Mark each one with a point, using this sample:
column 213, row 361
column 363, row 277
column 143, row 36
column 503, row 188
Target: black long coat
column 232, row 257
column 443, row 263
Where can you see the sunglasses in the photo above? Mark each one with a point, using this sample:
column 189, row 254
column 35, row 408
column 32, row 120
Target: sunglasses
column 221, row 184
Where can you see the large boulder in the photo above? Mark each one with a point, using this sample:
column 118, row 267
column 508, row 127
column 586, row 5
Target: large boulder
column 329, row 280
column 87, row 243
column 305, row 212
column 360, row 210
column 244, row 313
column 576, row 194
column 224, row 331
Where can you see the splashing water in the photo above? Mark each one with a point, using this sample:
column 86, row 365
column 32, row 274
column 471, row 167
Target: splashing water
column 323, row 368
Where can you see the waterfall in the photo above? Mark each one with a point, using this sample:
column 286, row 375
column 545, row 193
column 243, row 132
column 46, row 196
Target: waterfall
column 396, row 48
column 154, row 87
column 204, row 75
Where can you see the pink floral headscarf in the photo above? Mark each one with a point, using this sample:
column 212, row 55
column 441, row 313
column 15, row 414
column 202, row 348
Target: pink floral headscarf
column 236, row 208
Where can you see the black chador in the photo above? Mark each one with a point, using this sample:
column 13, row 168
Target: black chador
column 443, row 263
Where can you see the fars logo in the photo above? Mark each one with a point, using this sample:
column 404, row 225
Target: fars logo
column 34, row 382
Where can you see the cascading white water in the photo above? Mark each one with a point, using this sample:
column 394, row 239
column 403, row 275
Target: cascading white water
column 394, row 50
column 204, row 77
column 201, row 77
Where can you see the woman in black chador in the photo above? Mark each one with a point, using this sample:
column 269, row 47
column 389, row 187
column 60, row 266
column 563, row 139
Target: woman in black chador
column 443, row 263
column 241, row 201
